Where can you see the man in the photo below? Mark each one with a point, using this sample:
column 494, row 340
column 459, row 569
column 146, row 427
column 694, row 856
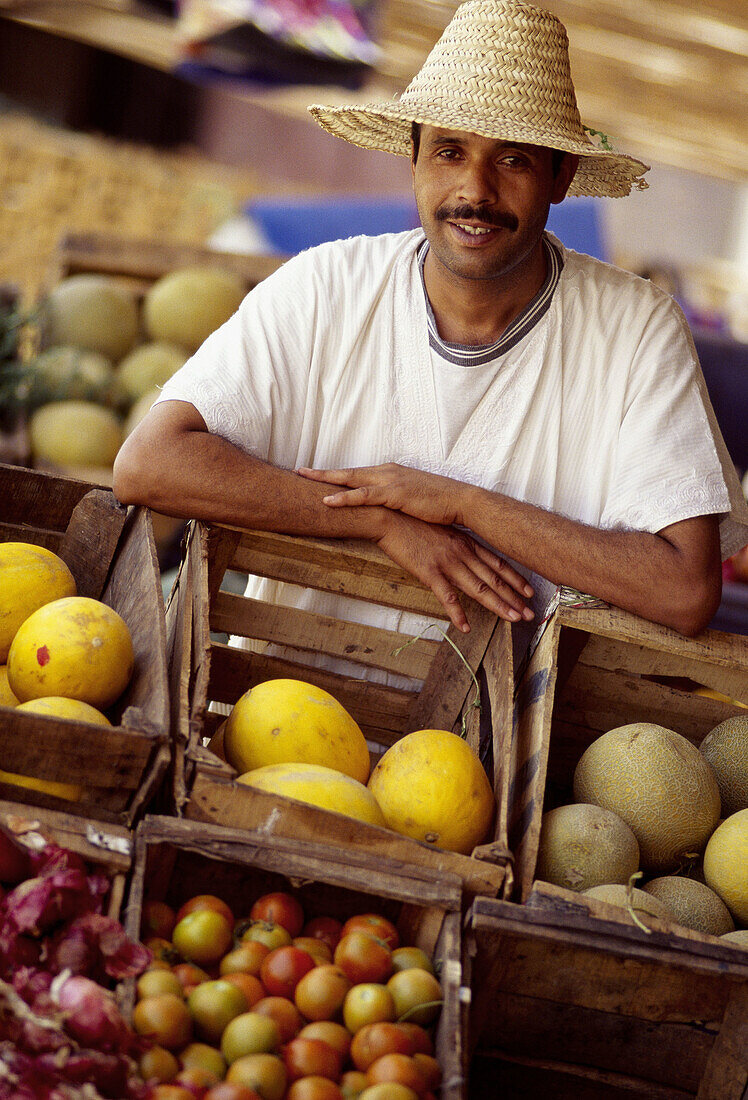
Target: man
column 474, row 399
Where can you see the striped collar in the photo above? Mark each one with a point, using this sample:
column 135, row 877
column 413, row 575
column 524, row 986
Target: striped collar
column 475, row 356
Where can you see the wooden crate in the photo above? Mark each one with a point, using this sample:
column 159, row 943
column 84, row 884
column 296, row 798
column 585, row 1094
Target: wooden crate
column 595, row 669
column 577, row 1005
column 176, row 859
column 111, row 554
column 205, row 671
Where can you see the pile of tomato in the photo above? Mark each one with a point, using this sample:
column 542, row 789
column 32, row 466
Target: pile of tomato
column 278, row 1007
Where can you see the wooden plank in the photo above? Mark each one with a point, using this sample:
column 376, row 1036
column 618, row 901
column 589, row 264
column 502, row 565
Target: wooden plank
column 90, row 540
column 238, row 807
column 305, row 630
column 726, row 1074
column 530, row 1078
column 17, row 532
column 31, row 498
column 109, row 846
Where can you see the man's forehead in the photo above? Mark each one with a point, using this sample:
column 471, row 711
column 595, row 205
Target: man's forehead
column 435, row 134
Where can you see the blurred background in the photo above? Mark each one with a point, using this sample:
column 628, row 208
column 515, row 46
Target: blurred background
column 185, row 123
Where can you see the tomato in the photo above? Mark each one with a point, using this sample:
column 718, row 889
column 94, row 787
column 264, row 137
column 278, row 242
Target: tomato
column 165, row 1018
column 283, row 969
column 374, row 1040
column 320, row 993
column 352, row 1083
column 279, row 908
column 228, row 1091
column 249, row 1033
column 327, row 929
column 367, row 1003
column 363, row 958
column 203, row 936
column 197, row 1077
column 172, row 1092
column 158, row 981
column 206, row 901
column 262, row 931
column 158, row 919
column 285, row 1013
column 318, row 949
column 314, row 1088
column 162, row 950
column 430, row 1068
column 399, row 1068
column 409, row 958
column 388, row 1090
column 329, row 1032
column 158, row 1064
column 306, row 1057
column 213, row 1005
column 251, row 987
column 265, row 1073
column 378, row 927
column 247, row 957
column 419, row 1037
column 189, row 975
column 417, row 996
column 201, row 1054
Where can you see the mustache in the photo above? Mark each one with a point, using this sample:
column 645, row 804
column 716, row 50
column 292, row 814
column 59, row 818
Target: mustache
column 500, row 218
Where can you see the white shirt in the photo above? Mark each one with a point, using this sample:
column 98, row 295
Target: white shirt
column 600, row 412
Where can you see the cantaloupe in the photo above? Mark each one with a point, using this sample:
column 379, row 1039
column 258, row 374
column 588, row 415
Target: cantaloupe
column 661, row 786
column 31, row 576
column 72, row 374
column 726, row 749
column 149, row 365
column 59, row 706
column 75, row 433
column 739, row 938
column 726, row 864
column 692, row 904
column 638, row 900
column 287, row 721
column 92, row 312
column 583, row 845
column 431, row 786
column 186, row 305
column 319, row 786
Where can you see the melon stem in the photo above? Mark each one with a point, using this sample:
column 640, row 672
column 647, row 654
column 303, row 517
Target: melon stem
column 476, row 703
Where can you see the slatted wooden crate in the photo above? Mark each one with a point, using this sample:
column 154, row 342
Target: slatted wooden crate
column 176, row 859
column 595, row 669
column 205, row 671
column 577, row 1004
column 111, row 554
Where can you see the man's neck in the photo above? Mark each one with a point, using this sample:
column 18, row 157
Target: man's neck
column 475, row 312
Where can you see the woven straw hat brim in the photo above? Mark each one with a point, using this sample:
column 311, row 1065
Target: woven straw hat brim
column 387, row 128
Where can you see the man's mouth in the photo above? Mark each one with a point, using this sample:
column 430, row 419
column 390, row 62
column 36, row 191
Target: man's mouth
column 475, row 230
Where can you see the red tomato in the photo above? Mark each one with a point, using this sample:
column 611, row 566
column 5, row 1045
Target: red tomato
column 314, row 1088
column 417, row 995
column 363, row 958
column 251, row 986
column 262, row 931
column 283, row 969
column 247, row 957
column 378, row 927
column 165, row 1019
column 307, row 1057
column 225, row 1090
column 418, row 1036
column 320, row 993
column 398, row 1068
column 318, row 949
column 284, row 1012
column 367, row 1003
column 352, row 1083
column 189, row 975
column 158, row 920
column 374, row 1040
column 329, row 1032
column 205, row 901
column 203, row 936
column 279, row 908
column 430, row 1068
column 324, row 928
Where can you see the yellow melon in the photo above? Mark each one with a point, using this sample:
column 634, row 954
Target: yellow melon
column 93, row 312
column 658, row 783
column 739, row 938
column 636, row 900
column 290, row 722
column 186, row 305
column 726, row 749
column 431, row 786
column 324, row 787
column 31, row 576
column 148, row 366
column 726, row 864
column 583, row 846
column 77, row 647
column 7, row 697
column 692, row 904
column 60, row 706
column 75, row 433
column 69, row 791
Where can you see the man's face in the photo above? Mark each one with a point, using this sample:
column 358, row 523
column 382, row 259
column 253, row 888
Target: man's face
column 483, row 203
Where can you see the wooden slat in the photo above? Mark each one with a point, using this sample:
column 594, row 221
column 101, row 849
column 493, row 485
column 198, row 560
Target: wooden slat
column 726, row 1072
column 17, row 532
column 31, row 498
column 90, row 540
column 305, row 630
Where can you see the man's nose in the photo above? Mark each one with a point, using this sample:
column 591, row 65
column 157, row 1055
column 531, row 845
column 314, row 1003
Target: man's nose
column 477, row 183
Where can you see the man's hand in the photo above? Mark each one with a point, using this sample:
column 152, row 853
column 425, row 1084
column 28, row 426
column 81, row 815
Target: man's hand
column 450, row 562
column 429, row 497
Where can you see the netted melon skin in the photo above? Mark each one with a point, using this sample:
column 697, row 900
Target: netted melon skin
column 726, row 749
column 659, row 784
column 582, row 845
column 693, row 904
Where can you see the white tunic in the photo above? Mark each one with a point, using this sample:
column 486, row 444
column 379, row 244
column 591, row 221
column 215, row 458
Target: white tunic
column 600, row 412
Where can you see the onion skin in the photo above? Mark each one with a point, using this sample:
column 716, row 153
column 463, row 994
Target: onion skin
column 92, row 1016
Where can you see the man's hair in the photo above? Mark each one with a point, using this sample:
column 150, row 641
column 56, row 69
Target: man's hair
column 557, row 155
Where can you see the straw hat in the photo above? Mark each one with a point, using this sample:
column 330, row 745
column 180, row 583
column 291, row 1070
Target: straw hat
column 500, row 69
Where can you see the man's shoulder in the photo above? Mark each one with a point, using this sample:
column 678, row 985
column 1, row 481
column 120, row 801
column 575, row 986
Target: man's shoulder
column 368, row 253
column 600, row 279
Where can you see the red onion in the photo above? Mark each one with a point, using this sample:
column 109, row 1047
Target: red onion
column 92, row 1016
column 15, row 863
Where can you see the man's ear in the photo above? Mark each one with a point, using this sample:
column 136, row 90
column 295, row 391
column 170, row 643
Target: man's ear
column 566, row 172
